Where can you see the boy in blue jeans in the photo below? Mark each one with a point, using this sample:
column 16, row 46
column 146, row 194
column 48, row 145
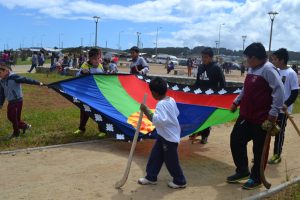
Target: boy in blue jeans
column 165, row 148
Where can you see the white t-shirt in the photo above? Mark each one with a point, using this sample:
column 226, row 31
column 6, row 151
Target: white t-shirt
column 290, row 82
column 165, row 120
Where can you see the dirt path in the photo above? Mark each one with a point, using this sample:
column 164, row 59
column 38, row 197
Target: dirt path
column 89, row 171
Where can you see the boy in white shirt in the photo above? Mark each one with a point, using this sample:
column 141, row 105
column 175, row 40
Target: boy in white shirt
column 165, row 148
column 290, row 81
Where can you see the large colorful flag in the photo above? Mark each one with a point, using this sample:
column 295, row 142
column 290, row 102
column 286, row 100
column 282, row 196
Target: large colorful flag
column 113, row 101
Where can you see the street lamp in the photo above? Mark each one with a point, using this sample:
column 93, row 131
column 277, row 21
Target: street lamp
column 32, row 41
column 59, row 43
column 244, row 39
column 138, row 39
column 81, row 41
column 220, row 38
column 96, row 18
column 272, row 17
column 42, row 40
column 217, row 42
column 156, row 41
column 119, row 41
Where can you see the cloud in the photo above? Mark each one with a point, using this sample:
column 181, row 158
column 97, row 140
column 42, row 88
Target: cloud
column 197, row 22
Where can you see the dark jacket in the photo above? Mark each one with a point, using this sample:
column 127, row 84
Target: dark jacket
column 214, row 75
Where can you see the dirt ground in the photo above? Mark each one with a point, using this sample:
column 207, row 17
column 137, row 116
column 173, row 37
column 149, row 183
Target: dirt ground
column 89, row 171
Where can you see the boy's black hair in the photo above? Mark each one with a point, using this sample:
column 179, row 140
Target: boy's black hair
column 208, row 51
column 94, row 52
column 135, row 49
column 256, row 50
column 158, row 85
column 282, row 54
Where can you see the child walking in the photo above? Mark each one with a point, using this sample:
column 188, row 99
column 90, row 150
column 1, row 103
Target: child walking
column 260, row 100
column 165, row 148
column 10, row 89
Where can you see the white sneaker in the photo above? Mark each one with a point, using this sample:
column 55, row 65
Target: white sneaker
column 175, row 186
column 144, row 181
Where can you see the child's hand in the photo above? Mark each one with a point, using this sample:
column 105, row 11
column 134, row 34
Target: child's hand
column 284, row 108
column 233, row 107
column 143, row 108
column 272, row 119
column 85, row 71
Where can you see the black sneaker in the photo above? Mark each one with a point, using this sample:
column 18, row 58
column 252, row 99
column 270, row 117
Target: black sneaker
column 235, row 178
column 28, row 126
column 14, row 135
column 251, row 184
column 204, row 140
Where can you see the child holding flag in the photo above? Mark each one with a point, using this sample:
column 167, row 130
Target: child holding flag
column 168, row 130
column 10, row 89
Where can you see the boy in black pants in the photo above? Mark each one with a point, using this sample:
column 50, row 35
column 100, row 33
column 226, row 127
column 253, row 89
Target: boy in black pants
column 260, row 99
column 291, row 87
column 209, row 74
column 165, row 148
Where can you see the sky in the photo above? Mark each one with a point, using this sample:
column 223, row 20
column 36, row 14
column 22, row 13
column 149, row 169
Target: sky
column 173, row 23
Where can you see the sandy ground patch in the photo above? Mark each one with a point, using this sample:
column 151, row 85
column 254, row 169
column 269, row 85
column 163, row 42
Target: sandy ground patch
column 89, row 171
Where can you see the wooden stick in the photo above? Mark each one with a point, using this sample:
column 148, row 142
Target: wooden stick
column 122, row 182
column 263, row 161
column 292, row 121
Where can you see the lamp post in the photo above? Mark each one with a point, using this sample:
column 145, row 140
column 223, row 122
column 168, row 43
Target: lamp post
column 119, row 41
column 32, row 41
column 156, row 41
column 217, row 42
column 138, row 39
column 244, row 39
column 272, row 17
column 81, row 41
column 220, row 38
column 42, row 40
column 96, row 18
column 59, row 43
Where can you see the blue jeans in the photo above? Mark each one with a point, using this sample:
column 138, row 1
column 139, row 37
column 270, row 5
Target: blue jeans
column 164, row 151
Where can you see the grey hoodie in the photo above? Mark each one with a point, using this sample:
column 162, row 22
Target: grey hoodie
column 10, row 87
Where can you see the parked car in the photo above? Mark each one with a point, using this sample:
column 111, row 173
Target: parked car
column 162, row 59
column 182, row 61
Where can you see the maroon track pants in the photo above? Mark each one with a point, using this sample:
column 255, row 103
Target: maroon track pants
column 14, row 116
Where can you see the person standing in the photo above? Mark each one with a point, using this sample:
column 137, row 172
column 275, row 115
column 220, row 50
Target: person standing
column 165, row 119
column 260, row 101
column 138, row 64
column 189, row 64
column 210, row 75
column 290, row 81
column 91, row 66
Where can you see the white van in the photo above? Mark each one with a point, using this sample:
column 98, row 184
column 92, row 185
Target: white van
column 162, row 59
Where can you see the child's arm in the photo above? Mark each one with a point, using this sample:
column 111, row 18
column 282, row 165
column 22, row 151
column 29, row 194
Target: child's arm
column 146, row 111
column 22, row 79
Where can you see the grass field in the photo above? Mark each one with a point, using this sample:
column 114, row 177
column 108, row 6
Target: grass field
column 53, row 118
